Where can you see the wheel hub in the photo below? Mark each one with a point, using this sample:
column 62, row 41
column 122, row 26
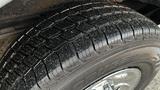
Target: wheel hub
column 126, row 79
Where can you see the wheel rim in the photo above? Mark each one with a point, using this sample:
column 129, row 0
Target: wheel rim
column 126, row 79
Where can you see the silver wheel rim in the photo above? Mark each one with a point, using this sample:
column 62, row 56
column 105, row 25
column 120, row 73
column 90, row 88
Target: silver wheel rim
column 126, row 79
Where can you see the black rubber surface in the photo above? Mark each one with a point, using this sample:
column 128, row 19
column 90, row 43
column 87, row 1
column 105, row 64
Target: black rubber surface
column 64, row 40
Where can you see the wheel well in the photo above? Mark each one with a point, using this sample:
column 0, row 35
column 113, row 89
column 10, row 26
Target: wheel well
column 149, row 10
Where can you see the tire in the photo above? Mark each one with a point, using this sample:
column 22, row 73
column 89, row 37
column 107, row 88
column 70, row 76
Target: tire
column 78, row 44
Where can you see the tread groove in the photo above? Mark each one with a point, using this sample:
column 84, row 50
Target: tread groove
column 60, row 62
column 120, row 32
column 106, row 38
column 75, row 50
column 128, row 24
column 46, row 69
column 94, row 47
column 35, row 77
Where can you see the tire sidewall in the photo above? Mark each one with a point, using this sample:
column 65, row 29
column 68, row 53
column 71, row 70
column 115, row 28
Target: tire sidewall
column 96, row 68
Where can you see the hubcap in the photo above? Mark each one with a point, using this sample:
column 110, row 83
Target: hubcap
column 126, row 79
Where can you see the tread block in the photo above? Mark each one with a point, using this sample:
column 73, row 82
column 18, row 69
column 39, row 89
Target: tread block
column 153, row 30
column 77, row 18
column 145, row 29
column 113, row 18
column 23, row 68
column 112, row 34
column 27, row 49
column 50, row 32
column 52, row 62
column 100, row 22
column 54, row 43
column 18, row 57
column 17, row 71
column 3, row 74
column 12, row 77
column 106, row 11
column 137, row 32
column 99, row 40
column 67, row 56
column 20, row 86
column 70, row 33
column 125, row 16
column 40, row 71
column 92, row 14
column 30, row 79
column 41, row 52
column 36, row 41
column 126, row 30
column 30, row 61
column 84, row 46
column 84, row 27
column 63, row 24
column 10, row 65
